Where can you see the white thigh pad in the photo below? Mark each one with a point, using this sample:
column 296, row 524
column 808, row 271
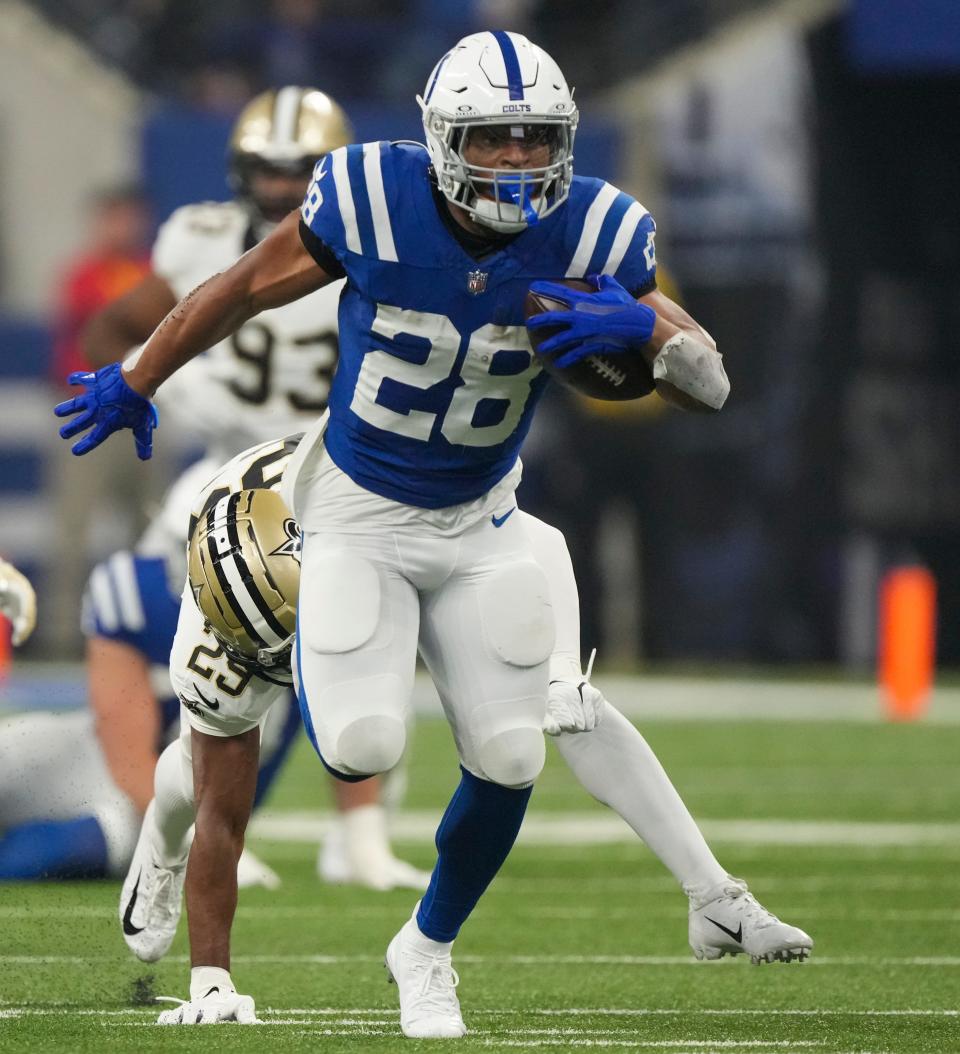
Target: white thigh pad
column 517, row 615
column 339, row 601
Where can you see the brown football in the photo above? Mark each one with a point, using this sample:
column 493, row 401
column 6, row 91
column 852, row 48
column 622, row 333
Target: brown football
column 613, row 377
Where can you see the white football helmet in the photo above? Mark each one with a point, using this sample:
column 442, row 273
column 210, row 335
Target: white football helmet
column 500, row 82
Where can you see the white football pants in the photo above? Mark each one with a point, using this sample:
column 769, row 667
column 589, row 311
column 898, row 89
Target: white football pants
column 479, row 606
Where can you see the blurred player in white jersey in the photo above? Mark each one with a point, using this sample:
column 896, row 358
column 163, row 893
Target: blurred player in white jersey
column 272, row 377
column 406, row 492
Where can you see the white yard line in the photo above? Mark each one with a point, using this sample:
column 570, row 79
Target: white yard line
column 594, row 828
column 937, row 961
column 375, row 1016
column 320, row 910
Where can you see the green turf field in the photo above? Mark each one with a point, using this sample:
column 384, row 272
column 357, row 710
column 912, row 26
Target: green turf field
column 576, row 946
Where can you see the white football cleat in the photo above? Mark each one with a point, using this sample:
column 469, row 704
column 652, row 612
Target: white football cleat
column 427, row 983
column 150, row 899
column 252, row 871
column 356, row 852
column 728, row 920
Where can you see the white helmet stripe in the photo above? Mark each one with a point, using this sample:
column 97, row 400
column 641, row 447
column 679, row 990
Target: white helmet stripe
column 286, row 115
column 386, row 249
column 592, row 223
column 348, row 211
column 621, row 242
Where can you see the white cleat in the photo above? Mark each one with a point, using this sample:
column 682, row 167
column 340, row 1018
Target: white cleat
column 150, row 899
column 427, row 983
column 252, row 871
column 356, row 852
column 728, row 920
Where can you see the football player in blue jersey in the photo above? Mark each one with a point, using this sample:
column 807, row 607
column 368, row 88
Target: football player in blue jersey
column 73, row 786
column 405, row 489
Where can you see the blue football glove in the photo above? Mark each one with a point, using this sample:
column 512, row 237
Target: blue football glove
column 108, row 404
column 609, row 321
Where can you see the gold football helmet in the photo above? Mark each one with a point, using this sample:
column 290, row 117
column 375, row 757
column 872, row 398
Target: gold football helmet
column 282, row 132
column 244, row 567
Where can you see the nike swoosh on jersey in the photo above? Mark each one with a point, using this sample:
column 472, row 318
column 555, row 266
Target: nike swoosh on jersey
column 499, row 521
column 128, row 927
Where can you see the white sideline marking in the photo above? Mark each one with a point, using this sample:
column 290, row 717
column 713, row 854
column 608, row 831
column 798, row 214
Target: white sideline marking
column 593, row 828
column 499, row 960
column 567, row 914
column 647, row 1044
column 643, row 697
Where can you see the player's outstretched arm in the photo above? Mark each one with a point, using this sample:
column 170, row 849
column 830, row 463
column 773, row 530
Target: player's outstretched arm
column 127, row 322
column 273, row 273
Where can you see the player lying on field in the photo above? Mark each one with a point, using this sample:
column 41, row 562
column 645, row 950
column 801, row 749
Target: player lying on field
column 228, row 686
column 74, row 786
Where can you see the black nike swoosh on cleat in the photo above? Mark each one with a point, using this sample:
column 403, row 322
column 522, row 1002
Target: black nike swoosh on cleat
column 738, row 936
column 128, row 927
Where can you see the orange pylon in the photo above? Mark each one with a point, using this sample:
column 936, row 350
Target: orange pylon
column 6, row 648
column 908, row 624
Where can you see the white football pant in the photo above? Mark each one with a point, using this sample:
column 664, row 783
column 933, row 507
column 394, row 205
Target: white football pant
column 479, row 605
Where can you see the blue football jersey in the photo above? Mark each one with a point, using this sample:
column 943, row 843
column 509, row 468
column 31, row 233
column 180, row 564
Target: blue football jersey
column 437, row 382
column 129, row 599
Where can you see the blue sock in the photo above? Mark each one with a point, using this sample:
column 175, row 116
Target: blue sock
column 474, row 837
column 60, row 849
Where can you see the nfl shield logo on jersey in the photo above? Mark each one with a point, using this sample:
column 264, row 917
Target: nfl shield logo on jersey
column 476, row 282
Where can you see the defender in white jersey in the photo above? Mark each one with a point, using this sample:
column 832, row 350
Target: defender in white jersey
column 272, row 376
column 406, row 494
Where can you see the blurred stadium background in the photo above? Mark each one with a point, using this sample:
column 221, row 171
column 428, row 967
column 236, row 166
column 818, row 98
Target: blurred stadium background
column 800, row 157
